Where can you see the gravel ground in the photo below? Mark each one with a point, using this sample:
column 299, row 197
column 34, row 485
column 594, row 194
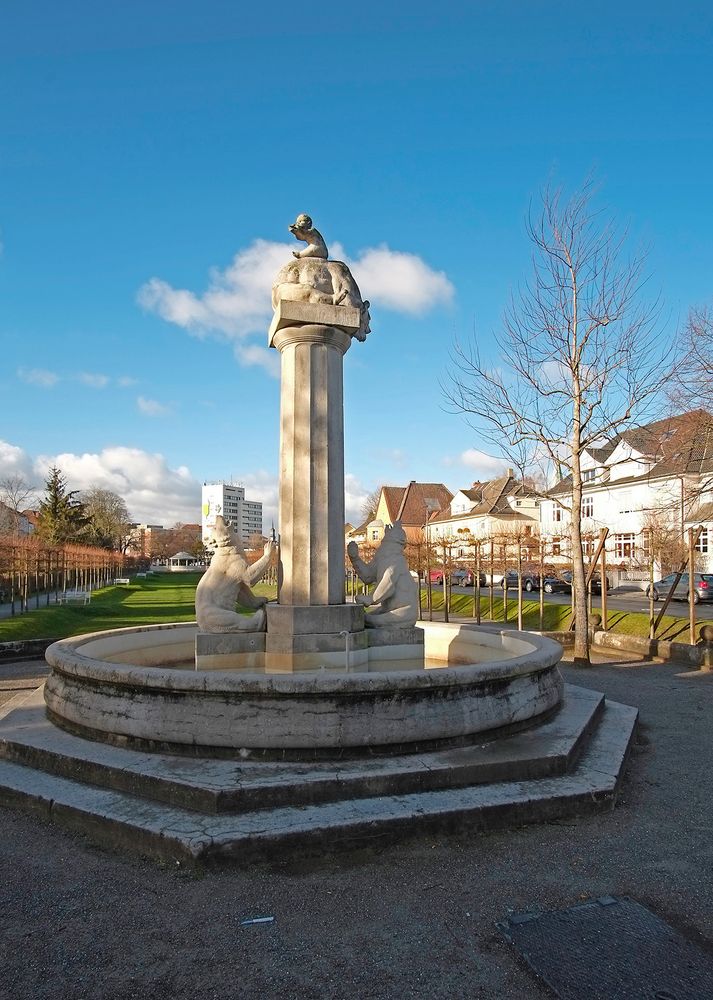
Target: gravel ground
column 413, row 921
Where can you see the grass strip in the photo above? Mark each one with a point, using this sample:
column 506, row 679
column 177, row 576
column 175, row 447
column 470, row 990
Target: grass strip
column 156, row 600
column 170, row 597
column 557, row 617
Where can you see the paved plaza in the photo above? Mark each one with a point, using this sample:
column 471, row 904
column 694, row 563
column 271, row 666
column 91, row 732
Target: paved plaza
column 416, row 920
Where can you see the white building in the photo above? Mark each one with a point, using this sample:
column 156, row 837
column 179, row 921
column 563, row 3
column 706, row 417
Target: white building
column 644, row 485
column 229, row 500
column 500, row 507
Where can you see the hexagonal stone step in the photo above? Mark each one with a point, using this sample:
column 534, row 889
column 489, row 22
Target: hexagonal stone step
column 120, row 819
column 219, row 785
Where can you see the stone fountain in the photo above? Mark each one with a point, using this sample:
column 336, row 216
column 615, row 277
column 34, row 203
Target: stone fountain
column 353, row 688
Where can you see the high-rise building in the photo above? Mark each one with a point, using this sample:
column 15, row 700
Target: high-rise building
column 229, row 500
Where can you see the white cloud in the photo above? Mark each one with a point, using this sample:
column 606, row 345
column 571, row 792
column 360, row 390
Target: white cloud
column 237, row 300
column 265, row 487
column 38, row 376
column 484, row 465
column 154, row 492
column 237, row 304
column 94, row 380
column 264, row 357
column 14, row 462
column 354, row 496
column 151, row 407
column 400, row 281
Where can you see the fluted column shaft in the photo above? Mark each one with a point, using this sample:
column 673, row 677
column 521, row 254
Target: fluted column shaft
column 311, row 464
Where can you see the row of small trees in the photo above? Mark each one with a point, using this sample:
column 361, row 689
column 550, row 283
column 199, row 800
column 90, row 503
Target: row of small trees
column 30, row 571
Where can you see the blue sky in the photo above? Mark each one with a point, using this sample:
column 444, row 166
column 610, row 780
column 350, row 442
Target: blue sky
column 174, row 142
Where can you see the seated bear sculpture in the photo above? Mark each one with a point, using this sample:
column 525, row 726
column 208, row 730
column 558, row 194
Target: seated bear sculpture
column 227, row 582
column 394, row 600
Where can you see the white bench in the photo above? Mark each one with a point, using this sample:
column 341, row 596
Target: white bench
column 74, row 597
column 141, row 576
column 122, row 580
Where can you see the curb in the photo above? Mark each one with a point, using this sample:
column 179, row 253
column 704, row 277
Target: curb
column 24, row 649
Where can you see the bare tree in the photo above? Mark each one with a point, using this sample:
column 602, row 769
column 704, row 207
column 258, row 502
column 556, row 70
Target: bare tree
column 695, row 386
column 369, row 505
column 109, row 521
column 15, row 495
column 582, row 356
column 692, row 393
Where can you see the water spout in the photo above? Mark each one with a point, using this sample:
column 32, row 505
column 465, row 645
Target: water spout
column 347, row 648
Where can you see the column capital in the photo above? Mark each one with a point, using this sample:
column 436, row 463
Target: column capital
column 312, row 333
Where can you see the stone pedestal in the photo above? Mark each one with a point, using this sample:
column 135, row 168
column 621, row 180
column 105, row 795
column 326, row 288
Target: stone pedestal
column 230, row 651
column 312, row 340
column 308, row 638
column 392, row 648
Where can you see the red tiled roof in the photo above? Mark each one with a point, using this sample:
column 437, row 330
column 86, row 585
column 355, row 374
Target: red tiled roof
column 420, row 499
column 393, row 495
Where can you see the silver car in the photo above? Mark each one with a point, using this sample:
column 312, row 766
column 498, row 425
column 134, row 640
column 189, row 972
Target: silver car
column 702, row 587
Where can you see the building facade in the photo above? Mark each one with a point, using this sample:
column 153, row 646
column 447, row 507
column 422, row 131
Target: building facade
column 229, row 500
column 502, row 509
column 647, row 486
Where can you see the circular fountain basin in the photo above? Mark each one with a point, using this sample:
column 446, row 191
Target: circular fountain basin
column 127, row 686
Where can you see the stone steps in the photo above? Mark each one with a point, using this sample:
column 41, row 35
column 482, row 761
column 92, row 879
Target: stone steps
column 594, row 750
column 216, row 786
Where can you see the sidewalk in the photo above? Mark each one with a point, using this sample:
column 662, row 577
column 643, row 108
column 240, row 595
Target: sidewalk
column 6, row 608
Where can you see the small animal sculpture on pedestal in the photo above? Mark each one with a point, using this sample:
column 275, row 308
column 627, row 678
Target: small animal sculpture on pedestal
column 227, row 582
column 303, row 230
column 394, row 600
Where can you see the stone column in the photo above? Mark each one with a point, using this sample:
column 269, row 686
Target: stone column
column 304, row 628
column 311, row 465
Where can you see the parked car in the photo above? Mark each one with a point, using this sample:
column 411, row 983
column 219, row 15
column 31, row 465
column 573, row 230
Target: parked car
column 530, row 581
column 557, row 585
column 702, row 587
column 437, row 576
column 597, row 583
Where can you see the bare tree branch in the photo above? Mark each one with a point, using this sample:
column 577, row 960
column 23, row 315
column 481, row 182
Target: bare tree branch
column 582, row 354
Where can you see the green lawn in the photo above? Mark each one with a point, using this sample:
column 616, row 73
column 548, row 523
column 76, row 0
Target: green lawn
column 557, row 616
column 155, row 600
column 169, row 597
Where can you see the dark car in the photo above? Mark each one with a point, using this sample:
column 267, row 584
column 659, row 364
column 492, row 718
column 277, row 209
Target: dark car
column 562, row 584
column 596, row 583
column 530, row 581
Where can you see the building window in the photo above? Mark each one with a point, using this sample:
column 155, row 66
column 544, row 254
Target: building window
column 624, row 546
column 588, row 546
column 556, row 512
column 588, row 475
column 702, row 543
column 556, row 546
column 375, row 534
column 588, row 507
